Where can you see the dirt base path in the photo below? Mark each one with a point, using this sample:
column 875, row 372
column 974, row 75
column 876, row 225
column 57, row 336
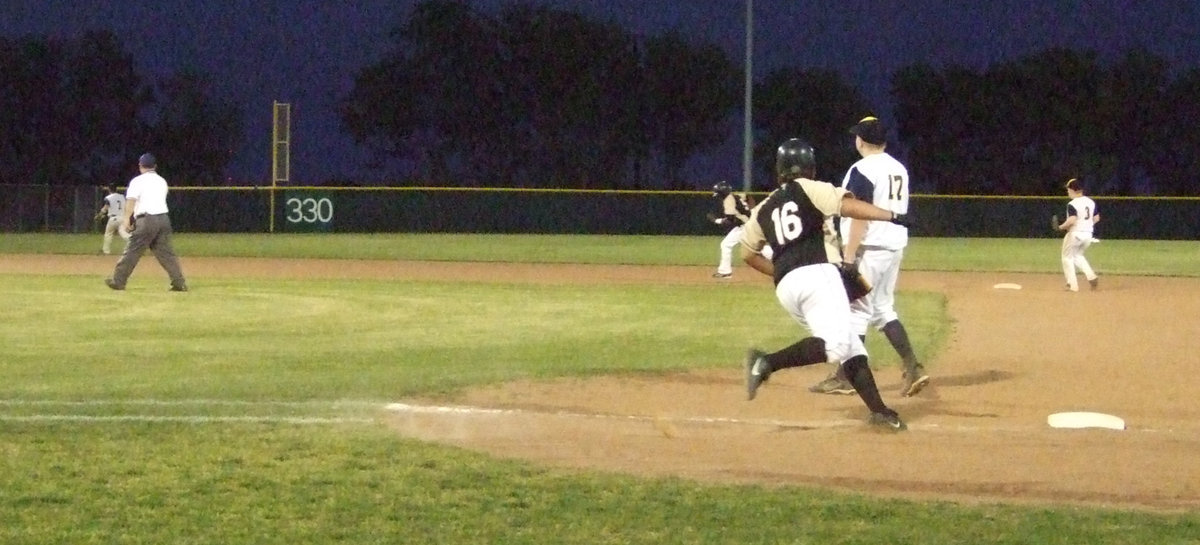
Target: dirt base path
column 978, row 433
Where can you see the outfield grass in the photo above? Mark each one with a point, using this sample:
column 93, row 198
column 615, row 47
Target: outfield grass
column 1137, row 257
column 247, row 412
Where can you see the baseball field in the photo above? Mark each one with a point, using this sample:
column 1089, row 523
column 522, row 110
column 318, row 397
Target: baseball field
column 580, row 389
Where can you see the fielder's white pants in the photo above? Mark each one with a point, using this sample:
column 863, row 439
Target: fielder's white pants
column 881, row 268
column 113, row 227
column 815, row 297
column 1073, row 247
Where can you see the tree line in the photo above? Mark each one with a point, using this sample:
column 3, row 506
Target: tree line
column 533, row 96
column 76, row 112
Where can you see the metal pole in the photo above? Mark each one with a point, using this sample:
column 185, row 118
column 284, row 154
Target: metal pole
column 747, row 128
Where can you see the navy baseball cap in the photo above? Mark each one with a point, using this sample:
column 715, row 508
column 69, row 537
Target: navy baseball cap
column 147, row 160
column 871, row 130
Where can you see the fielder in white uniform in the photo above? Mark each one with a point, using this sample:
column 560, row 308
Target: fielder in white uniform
column 876, row 249
column 114, row 207
column 1081, row 220
column 793, row 220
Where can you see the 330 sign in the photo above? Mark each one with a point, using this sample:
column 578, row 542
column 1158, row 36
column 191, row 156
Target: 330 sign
column 305, row 211
column 308, row 209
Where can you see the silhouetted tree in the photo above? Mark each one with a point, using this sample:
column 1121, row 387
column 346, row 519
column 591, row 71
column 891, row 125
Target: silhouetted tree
column 573, row 80
column 537, row 96
column 195, row 132
column 1180, row 160
column 690, row 91
column 1134, row 108
column 35, row 149
column 101, row 99
column 816, row 105
column 76, row 112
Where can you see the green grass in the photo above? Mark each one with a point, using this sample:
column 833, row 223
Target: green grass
column 1136, row 257
column 246, row 412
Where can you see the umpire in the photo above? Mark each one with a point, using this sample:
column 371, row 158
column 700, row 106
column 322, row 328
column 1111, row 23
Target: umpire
column 149, row 226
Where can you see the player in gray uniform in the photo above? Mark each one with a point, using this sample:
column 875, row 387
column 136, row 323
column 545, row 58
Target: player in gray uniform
column 149, row 226
column 1081, row 220
column 793, row 221
column 114, row 209
column 876, row 249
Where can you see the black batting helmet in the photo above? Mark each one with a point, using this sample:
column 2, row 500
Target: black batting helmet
column 795, row 158
column 721, row 189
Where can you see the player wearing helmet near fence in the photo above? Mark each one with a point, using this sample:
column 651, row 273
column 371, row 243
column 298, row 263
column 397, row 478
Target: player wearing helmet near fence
column 113, row 210
column 735, row 212
column 794, row 221
column 876, row 249
column 1081, row 220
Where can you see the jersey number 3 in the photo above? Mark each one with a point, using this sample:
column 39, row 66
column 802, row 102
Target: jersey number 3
column 787, row 224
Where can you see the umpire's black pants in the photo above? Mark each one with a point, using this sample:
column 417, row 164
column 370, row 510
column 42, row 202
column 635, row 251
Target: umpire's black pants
column 151, row 231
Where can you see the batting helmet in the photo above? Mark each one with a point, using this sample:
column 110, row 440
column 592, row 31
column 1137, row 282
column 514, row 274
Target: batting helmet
column 721, row 189
column 795, row 158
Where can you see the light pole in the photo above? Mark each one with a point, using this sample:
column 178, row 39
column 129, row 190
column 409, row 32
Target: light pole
column 747, row 125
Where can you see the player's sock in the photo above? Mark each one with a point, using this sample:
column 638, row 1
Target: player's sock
column 807, row 351
column 898, row 336
column 858, row 371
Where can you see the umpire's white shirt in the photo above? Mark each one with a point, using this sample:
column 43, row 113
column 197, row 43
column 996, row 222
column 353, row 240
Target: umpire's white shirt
column 150, row 190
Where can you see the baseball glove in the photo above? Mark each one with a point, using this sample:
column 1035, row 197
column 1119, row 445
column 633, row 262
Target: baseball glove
column 854, row 282
column 100, row 216
column 1054, row 222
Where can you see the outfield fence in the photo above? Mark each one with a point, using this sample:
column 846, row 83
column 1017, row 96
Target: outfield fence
column 317, row 209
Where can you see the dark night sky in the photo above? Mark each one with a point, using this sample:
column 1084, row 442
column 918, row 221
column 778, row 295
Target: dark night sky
column 306, row 52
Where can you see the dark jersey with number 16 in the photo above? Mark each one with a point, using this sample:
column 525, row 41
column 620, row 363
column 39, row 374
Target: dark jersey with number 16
column 794, row 220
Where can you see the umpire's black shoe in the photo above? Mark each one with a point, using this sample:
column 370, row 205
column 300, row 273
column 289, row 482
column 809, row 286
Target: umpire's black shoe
column 112, row 284
column 757, row 371
column 179, row 288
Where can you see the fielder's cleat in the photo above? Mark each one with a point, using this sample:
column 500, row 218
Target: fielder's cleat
column 887, row 421
column 834, row 384
column 179, row 288
column 757, row 372
column 1095, row 283
column 914, row 381
column 112, row 284
column 721, row 275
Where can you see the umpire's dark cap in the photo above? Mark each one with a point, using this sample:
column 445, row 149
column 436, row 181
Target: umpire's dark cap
column 871, row 130
column 147, row 160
